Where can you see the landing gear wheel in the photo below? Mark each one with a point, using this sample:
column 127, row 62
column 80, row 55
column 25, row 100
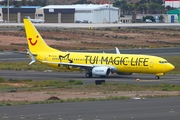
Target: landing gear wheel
column 157, row 77
column 88, row 75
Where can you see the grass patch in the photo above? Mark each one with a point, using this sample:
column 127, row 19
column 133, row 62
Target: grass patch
column 78, row 85
column 108, row 90
column 11, row 103
column 24, row 66
column 14, row 85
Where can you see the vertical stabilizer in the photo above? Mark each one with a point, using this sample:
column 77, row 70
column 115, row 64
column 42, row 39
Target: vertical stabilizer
column 34, row 39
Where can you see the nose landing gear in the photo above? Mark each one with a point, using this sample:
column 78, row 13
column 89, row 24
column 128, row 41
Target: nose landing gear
column 157, row 77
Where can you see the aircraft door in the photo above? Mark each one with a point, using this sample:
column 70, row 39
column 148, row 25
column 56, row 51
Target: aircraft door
column 151, row 64
column 45, row 57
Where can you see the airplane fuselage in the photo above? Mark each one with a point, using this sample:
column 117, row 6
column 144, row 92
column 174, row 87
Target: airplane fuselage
column 122, row 63
column 37, row 21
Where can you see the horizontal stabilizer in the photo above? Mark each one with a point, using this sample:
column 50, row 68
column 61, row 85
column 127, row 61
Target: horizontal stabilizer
column 33, row 59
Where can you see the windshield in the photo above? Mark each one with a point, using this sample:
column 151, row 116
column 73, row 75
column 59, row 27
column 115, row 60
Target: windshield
column 162, row 62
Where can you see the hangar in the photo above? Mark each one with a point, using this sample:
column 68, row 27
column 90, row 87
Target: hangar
column 92, row 13
column 56, row 15
column 51, row 15
column 16, row 15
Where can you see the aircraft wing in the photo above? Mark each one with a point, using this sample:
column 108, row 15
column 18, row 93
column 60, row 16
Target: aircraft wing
column 74, row 65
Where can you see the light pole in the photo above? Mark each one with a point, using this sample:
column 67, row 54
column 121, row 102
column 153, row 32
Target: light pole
column 109, row 11
column 119, row 14
column 179, row 12
column 8, row 11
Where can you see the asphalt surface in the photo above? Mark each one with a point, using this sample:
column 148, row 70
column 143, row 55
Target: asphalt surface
column 65, row 76
column 91, row 26
column 134, row 109
column 137, row 109
column 147, row 51
column 17, row 56
column 13, row 57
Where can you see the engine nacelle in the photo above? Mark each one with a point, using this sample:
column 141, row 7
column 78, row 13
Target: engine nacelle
column 101, row 71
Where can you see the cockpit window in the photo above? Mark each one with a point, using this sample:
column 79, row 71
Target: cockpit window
column 162, row 62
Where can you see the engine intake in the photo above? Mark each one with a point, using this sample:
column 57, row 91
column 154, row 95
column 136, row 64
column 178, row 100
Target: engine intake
column 101, row 71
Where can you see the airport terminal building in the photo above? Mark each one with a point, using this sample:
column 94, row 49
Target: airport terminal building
column 91, row 13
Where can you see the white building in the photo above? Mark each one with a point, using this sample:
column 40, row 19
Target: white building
column 16, row 0
column 172, row 3
column 91, row 12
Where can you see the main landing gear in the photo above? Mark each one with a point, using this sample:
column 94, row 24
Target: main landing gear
column 157, row 77
column 89, row 75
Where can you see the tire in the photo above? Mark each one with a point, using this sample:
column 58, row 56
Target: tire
column 157, row 77
column 88, row 75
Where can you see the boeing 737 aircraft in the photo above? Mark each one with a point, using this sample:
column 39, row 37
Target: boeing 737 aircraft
column 1, row 21
column 95, row 64
column 35, row 20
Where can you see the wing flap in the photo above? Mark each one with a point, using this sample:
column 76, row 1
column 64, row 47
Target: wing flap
column 73, row 65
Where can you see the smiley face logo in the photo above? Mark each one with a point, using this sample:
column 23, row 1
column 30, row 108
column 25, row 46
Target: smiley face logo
column 33, row 43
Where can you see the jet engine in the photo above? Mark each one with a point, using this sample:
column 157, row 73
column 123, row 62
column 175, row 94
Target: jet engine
column 101, row 71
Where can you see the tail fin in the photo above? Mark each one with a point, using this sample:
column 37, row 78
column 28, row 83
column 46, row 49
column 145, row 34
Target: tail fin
column 34, row 39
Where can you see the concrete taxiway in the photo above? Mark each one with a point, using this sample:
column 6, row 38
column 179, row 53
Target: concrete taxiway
column 134, row 109
column 65, row 76
column 91, row 26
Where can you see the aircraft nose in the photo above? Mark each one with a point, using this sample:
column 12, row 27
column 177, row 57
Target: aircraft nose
column 170, row 67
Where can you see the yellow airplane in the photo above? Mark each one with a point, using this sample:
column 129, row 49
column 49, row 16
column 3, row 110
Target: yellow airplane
column 95, row 64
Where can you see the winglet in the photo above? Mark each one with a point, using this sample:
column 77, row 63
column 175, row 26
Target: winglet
column 33, row 59
column 117, row 51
